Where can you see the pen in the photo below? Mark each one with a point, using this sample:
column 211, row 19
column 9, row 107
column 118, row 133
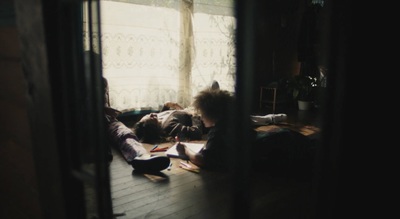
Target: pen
column 158, row 149
column 179, row 142
column 186, row 165
column 155, row 146
column 189, row 169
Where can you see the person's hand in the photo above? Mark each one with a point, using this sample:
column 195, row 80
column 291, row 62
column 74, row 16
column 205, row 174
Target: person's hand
column 173, row 106
column 181, row 148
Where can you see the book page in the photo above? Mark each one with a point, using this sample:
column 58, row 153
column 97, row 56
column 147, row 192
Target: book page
column 196, row 147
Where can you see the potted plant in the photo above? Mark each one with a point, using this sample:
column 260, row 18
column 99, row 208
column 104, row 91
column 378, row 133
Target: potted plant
column 302, row 88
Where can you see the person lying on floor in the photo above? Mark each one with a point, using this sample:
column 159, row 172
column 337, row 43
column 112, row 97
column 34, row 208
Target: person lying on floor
column 279, row 152
column 268, row 119
column 173, row 120
column 125, row 140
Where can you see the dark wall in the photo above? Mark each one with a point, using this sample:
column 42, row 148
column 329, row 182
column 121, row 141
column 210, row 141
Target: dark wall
column 287, row 37
column 30, row 183
column 17, row 169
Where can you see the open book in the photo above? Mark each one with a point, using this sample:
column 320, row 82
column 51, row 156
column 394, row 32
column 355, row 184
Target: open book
column 196, row 147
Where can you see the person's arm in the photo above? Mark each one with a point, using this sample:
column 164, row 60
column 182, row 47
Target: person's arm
column 171, row 106
column 190, row 132
column 196, row 122
column 174, row 126
column 195, row 158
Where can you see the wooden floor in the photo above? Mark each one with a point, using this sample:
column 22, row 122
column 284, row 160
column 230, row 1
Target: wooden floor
column 178, row 193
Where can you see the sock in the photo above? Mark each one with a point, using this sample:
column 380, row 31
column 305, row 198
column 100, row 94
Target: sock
column 269, row 118
column 277, row 118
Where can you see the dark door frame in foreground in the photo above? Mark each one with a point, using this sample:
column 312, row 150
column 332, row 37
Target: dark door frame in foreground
column 66, row 108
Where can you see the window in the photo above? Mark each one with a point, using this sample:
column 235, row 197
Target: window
column 158, row 51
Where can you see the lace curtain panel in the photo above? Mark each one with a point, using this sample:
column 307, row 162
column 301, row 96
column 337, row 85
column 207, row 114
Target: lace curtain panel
column 157, row 53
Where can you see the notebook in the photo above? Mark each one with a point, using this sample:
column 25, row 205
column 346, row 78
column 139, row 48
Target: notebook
column 196, row 147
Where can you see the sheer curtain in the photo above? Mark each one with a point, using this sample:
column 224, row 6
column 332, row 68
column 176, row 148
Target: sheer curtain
column 158, row 51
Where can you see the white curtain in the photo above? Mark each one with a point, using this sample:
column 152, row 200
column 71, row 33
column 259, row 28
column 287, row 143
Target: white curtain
column 153, row 53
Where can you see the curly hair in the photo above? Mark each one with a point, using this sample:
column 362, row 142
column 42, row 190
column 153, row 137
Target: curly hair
column 214, row 104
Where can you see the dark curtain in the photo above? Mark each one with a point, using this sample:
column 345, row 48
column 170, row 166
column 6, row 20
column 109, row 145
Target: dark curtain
column 308, row 41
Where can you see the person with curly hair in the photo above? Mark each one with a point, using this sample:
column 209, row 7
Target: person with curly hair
column 281, row 151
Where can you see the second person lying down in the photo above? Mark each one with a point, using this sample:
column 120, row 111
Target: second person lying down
column 172, row 121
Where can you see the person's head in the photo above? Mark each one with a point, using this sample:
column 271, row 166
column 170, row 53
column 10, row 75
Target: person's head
column 148, row 129
column 213, row 105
